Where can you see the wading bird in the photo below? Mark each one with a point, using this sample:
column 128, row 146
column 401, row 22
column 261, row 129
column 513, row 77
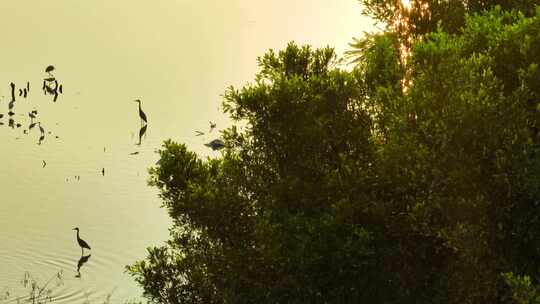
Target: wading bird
column 141, row 113
column 41, row 129
column 81, row 242
column 49, row 69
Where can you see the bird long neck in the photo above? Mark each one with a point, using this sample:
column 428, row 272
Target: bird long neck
column 78, row 238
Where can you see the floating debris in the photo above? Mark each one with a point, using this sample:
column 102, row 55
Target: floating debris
column 216, row 144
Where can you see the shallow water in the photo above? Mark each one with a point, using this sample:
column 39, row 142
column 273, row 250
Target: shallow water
column 178, row 57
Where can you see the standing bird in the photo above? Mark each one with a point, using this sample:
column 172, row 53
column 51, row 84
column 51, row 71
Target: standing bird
column 81, row 242
column 141, row 113
column 49, row 69
column 212, row 126
column 41, row 129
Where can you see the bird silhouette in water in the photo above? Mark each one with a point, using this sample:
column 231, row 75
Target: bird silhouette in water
column 81, row 262
column 212, row 126
column 81, row 242
column 216, row 144
column 142, row 131
column 141, row 113
column 49, row 69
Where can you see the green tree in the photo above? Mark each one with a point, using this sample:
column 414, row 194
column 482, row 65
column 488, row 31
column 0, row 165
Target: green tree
column 402, row 181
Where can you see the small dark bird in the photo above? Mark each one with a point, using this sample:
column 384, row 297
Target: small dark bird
column 12, row 91
column 216, row 144
column 11, row 113
column 134, row 153
column 44, row 164
column 212, row 126
column 199, row 133
column 141, row 113
column 103, row 171
column 49, row 69
column 18, row 125
column 81, row 242
column 1, row 115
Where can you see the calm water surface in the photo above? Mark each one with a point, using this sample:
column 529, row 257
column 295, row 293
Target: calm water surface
column 176, row 56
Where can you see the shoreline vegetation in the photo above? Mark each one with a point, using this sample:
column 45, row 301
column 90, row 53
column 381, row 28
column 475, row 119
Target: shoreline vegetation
column 411, row 178
column 37, row 292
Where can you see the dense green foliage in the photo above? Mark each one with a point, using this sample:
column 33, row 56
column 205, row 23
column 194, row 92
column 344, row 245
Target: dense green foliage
column 402, row 181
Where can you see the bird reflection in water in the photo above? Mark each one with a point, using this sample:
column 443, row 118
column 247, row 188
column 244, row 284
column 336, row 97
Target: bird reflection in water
column 142, row 131
column 80, row 263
